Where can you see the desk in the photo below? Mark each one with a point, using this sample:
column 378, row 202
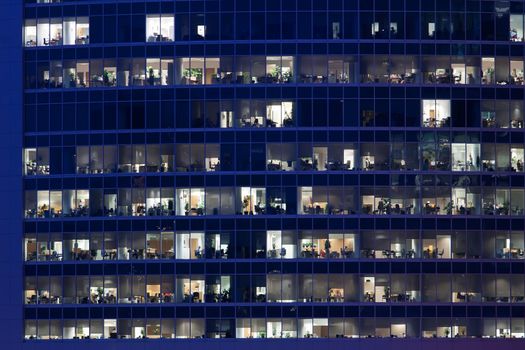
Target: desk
column 274, row 166
column 429, row 254
column 402, row 297
column 110, row 255
column 306, row 164
column 367, row 208
column 431, row 208
column 316, row 208
column 395, row 78
column 169, row 254
column 272, row 253
column 309, row 254
column 388, row 254
column 368, row 253
column 83, row 40
column 151, row 253
column 337, row 166
column 512, row 253
column 458, row 297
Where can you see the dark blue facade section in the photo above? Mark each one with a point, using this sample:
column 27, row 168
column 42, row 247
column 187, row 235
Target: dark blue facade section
column 11, row 135
column 251, row 173
column 261, row 344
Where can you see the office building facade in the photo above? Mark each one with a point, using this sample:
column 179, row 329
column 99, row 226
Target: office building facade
column 236, row 173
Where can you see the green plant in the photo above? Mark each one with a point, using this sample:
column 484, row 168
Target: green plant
column 276, row 71
column 448, row 208
column 107, row 77
column 193, row 73
column 287, row 76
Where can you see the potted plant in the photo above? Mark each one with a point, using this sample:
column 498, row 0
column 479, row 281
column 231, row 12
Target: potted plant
column 107, row 78
column 156, row 331
column 200, row 209
column 276, row 71
column 193, row 75
column 287, row 77
column 100, row 293
column 490, row 75
column 448, row 208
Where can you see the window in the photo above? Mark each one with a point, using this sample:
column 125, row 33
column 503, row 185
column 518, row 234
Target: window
column 516, row 27
column 30, row 33
column 160, row 28
column 431, row 29
column 190, row 201
column 374, row 28
column 81, row 75
column 340, row 70
column 336, row 30
column 393, row 29
column 158, row 72
column 252, row 200
column 436, row 113
column 43, row 32
column 201, row 31
column 189, row 245
column 280, row 244
column 465, row 200
column 103, row 73
column 199, row 70
column 465, row 157
column 279, row 114
column 279, row 69
column 280, row 156
column 55, row 32
column 516, row 72
column 36, row 161
column 488, row 70
column 517, row 159
column 76, row 31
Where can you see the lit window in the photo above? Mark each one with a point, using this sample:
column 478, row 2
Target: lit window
column 201, row 31
column 436, row 113
column 516, row 27
column 160, row 28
